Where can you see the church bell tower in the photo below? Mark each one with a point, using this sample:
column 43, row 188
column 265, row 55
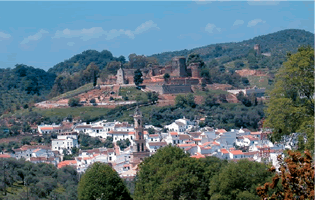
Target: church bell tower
column 139, row 149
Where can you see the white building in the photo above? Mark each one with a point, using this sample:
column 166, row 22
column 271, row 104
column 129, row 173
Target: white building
column 64, row 142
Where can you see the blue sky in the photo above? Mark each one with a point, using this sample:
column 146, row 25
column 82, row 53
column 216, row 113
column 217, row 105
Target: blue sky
column 42, row 34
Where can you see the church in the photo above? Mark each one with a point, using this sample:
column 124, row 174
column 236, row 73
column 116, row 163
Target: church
column 139, row 149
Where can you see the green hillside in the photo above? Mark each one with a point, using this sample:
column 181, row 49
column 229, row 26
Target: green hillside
column 278, row 44
column 22, row 84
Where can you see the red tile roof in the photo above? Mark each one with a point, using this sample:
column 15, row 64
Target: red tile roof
column 187, row 145
column 173, row 133
column 198, row 155
column 46, row 128
column 154, row 135
column 255, row 133
column 5, row 156
column 221, row 130
column 224, row 151
column 66, row 162
column 237, row 152
column 157, row 143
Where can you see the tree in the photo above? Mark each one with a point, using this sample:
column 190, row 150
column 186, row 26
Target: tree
column 138, row 77
column 238, row 180
column 295, row 180
column 213, row 63
column 195, row 58
column 171, row 174
column 151, row 130
column 166, row 77
column 100, row 181
column 291, row 105
column 73, row 102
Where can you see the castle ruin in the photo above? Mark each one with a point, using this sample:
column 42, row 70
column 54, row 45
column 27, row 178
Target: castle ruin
column 180, row 81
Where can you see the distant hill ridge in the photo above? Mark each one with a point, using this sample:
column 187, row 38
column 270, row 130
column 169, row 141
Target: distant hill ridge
column 277, row 44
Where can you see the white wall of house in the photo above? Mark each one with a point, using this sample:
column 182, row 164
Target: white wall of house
column 60, row 144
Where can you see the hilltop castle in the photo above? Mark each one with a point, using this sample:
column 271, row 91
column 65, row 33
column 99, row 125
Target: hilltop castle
column 180, row 81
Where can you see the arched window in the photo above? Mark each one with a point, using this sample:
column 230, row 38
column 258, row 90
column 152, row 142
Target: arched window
column 139, row 122
column 138, row 147
column 142, row 147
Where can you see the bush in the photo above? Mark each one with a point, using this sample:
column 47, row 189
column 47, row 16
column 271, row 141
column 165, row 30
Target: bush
column 73, row 102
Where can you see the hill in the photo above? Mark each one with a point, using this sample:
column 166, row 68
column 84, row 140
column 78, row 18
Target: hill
column 278, row 44
column 80, row 61
column 22, row 84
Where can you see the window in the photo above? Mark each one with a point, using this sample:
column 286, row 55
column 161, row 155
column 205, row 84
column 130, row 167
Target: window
column 130, row 137
column 110, row 158
column 151, row 139
column 174, row 141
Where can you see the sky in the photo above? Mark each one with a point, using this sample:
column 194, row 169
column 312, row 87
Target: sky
column 42, row 34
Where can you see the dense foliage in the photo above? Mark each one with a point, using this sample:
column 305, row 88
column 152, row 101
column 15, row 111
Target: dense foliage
column 291, row 106
column 80, row 61
column 172, row 174
column 66, row 82
column 23, row 84
column 100, row 181
column 25, row 180
column 238, row 180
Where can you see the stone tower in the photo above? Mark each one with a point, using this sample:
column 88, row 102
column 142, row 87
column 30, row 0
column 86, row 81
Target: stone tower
column 195, row 72
column 257, row 48
column 139, row 148
column 179, row 66
column 120, row 77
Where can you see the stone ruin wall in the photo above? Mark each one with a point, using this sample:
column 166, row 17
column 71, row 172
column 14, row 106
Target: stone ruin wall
column 175, row 89
column 179, row 67
column 195, row 72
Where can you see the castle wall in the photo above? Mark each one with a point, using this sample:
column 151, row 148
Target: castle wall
column 174, row 89
column 192, row 81
column 195, row 72
column 179, row 67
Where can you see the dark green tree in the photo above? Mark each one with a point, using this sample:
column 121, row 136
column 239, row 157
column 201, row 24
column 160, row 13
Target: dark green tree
column 138, row 77
column 100, row 181
column 195, row 58
column 171, row 174
column 166, row 77
column 238, row 180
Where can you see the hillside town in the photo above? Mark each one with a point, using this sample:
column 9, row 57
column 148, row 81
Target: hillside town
column 198, row 142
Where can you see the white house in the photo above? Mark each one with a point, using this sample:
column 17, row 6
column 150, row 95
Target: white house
column 172, row 138
column 236, row 154
column 154, row 146
column 46, row 129
column 224, row 154
column 124, row 126
column 153, row 138
column 176, row 127
column 84, row 128
column 64, row 142
column 121, row 135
